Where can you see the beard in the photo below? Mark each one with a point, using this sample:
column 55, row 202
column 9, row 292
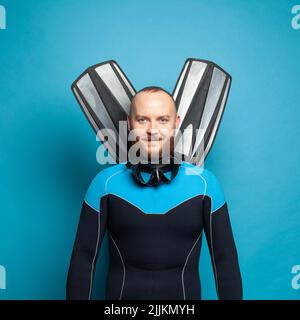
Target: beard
column 162, row 155
column 148, row 155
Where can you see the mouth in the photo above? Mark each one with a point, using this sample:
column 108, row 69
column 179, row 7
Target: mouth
column 152, row 140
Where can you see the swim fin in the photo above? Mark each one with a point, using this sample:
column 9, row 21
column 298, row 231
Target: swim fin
column 200, row 94
column 104, row 94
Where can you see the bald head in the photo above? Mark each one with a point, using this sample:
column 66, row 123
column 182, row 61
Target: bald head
column 152, row 96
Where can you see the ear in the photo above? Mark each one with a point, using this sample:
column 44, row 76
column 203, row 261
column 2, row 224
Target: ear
column 178, row 121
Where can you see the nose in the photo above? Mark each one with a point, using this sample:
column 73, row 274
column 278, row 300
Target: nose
column 152, row 128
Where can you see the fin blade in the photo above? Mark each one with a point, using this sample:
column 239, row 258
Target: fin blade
column 104, row 93
column 200, row 94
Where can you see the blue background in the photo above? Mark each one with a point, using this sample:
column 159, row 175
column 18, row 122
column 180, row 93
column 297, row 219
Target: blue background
column 48, row 149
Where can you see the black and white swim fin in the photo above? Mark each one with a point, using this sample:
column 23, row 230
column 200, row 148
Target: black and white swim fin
column 104, row 94
column 200, row 94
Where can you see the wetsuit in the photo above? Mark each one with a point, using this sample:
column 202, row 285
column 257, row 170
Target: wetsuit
column 155, row 236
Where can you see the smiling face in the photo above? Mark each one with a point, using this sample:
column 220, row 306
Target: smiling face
column 153, row 119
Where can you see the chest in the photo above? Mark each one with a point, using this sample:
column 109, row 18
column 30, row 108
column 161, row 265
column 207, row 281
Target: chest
column 125, row 217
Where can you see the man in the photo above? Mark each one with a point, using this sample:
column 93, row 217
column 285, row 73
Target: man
column 154, row 214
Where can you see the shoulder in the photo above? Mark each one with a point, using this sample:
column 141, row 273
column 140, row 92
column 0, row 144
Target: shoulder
column 105, row 174
column 211, row 179
column 98, row 186
column 213, row 188
column 191, row 168
column 194, row 169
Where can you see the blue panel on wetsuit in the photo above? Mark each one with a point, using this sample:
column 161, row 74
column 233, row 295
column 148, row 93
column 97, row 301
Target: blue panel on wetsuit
column 191, row 181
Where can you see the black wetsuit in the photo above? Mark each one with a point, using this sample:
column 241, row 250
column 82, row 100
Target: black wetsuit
column 155, row 236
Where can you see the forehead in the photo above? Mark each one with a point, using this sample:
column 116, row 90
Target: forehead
column 154, row 102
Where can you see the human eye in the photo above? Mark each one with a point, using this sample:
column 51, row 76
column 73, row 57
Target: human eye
column 164, row 119
column 141, row 120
